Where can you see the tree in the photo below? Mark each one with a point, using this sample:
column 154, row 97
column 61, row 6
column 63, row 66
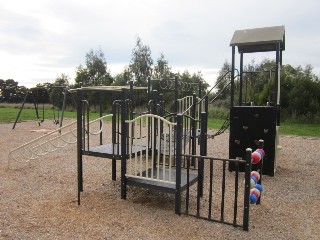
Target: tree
column 141, row 63
column 56, row 90
column 161, row 68
column 2, row 87
column 8, row 90
column 95, row 72
column 222, row 82
column 304, row 97
column 122, row 79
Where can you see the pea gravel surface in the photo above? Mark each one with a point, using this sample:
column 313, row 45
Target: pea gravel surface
column 38, row 200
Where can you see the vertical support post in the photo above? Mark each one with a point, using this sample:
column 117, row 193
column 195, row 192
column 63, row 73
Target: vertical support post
column 114, row 119
column 176, row 93
column 154, row 97
column 123, row 146
column 206, row 126
column 131, row 97
column 260, row 167
column 247, row 190
column 199, row 95
column 241, row 79
column 178, row 164
column 149, row 88
column 193, row 128
column 200, row 90
column 161, row 102
column 203, row 151
column 101, row 98
column 114, row 137
column 79, row 143
column 232, row 77
column 277, row 81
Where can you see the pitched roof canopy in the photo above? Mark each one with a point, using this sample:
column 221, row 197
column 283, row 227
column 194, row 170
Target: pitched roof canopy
column 259, row 39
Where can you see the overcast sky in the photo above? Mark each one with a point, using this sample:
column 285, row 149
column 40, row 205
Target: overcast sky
column 41, row 39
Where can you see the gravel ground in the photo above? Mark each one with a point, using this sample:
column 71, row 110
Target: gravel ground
column 38, row 200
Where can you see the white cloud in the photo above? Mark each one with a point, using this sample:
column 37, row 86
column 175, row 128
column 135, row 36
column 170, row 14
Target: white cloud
column 40, row 39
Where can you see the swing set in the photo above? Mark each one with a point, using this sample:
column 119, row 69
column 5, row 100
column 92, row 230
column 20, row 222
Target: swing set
column 40, row 95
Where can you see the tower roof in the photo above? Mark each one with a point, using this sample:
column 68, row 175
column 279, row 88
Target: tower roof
column 259, row 39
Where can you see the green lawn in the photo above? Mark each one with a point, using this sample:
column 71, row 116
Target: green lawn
column 10, row 114
column 286, row 128
column 309, row 130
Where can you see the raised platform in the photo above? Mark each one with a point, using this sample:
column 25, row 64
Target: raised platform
column 111, row 150
column 162, row 184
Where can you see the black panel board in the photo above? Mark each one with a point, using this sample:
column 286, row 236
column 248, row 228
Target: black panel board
column 248, row 124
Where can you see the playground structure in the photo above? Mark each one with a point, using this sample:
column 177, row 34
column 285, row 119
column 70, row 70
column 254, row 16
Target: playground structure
column 248, row 122
column 157, row 148
column 156, row 152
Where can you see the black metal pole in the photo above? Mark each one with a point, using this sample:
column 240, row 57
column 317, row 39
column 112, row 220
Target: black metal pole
column 79, row 143
column 149, row 88
column 203, row 151
column 176, row 93
column 232, row 77
column 24, row 101
column 123, row 146
column 241, row 79
column 247, row 190
column 260, row 166
column 101, row 98
column 63, row 106
column 200, row 90
column 154, row 97
column 35, row 103
column 193, row 128
column 277, row 81
column 178, row 165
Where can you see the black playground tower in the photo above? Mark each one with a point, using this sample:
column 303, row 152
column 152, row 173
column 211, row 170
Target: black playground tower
column 249, row 123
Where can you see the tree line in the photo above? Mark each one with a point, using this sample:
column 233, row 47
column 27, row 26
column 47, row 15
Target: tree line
column 300, row 87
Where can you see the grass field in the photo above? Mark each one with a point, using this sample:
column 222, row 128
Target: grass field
column 286, row 128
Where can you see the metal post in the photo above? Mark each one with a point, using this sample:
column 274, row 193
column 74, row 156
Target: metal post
column 154, row 97
column 149, row 88
column 114, row 137
column 247, row 190
column 63, row 106
column 260, row 166
column 277, row 81
column 203, row 151
column 232, row 77
column 79, row 143
column 200, row 89
column 101, row 98
column 176, row 93
column 193, row 128
column 241, row 79
column 123, row 146
column 35, row 103
column 24, row 101
column 178, row 165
